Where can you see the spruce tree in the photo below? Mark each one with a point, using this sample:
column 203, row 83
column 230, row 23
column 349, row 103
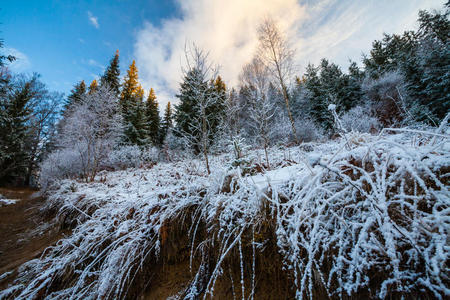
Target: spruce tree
column 200, row 110
column 153, row 119
column 166, row 122
column 217, row 110
column 14, row 131
column 317, row 98
column 76, row 94
column 93, row 87
column 130, row 88
column 111, row 77
column 136, row 125
column 133, row 110
column 192, row 85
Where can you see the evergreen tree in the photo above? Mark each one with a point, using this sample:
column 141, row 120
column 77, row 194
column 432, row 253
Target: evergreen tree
column 433, row 61
column 422, row 59
column 153, row 119
column 14, row 130
column 93, row 87
column 185, row 111
column 111, row 77
column 217, row 110
column 136, row 126
column 326, row 85
column 199, row 112
column 133, row 110
column 76, row 94
column 166, row 121
column 318, row 103
column 130, row 88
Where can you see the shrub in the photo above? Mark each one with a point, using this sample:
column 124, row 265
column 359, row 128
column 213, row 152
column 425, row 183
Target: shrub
column 360, row 119
column 131, row 157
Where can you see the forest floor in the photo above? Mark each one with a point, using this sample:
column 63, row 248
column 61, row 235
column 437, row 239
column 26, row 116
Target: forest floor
column 25, row 232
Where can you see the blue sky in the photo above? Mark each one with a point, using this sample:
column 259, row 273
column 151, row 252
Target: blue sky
column 59, row 40
column 67, row 41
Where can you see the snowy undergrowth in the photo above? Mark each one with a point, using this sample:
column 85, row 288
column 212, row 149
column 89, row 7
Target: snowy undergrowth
column 372, row 218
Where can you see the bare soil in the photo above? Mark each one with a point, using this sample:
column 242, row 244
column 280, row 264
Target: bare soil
column 25, row 232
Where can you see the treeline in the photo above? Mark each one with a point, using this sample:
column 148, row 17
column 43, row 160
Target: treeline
column 404, row 81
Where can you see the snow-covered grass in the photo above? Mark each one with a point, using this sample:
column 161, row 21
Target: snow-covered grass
column 372, row 218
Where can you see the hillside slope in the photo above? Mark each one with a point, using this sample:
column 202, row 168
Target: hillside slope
column 370, row 219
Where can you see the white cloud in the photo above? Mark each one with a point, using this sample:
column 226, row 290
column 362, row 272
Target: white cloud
column 336, row 29
column 22, row 62
column 94, row 63
column 93, row 19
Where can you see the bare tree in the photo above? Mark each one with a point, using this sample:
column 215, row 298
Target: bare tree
column 255, row 80
column 276, row 54
column 46, row 108
column 92, row 129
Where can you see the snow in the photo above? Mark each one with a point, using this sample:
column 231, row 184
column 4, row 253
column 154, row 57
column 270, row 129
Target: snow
column 275, row 177
column 5, row 202
column 369, row 204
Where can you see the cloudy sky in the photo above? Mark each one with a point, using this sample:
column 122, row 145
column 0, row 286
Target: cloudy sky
column 67, row 41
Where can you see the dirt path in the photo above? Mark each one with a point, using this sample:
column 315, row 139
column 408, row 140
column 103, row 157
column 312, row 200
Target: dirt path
column 24, row 231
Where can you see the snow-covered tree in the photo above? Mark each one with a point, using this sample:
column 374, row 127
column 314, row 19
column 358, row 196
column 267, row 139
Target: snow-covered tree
column 277, row 55
column 197, row 115
column 255, row 78
column 92, row 129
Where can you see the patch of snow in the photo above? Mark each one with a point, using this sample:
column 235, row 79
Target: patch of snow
column 4, row 201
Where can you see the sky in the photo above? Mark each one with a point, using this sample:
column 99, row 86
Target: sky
column 67, row 41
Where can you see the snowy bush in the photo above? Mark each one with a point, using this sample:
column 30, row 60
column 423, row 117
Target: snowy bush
column 64, row 163
column 377, row 212
column 91, row 130
column 131, row 157
column 307, row 130
column 360, row 119
column 388, row 98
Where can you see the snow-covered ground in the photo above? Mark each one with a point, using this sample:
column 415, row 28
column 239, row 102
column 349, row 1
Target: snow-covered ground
column 367, row 205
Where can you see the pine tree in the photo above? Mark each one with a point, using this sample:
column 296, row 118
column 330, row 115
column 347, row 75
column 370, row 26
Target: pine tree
column 166, row 121
column 93, row 87
column 153, row 119
column 195, row 92
column 217, row 110
column 133, row 110
column 14, row 130
column 195, row 119
column 111, row 77
column 136, row 126
column 76, row 94
column 130, row 88
column 317, row 100
column 192, row 85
